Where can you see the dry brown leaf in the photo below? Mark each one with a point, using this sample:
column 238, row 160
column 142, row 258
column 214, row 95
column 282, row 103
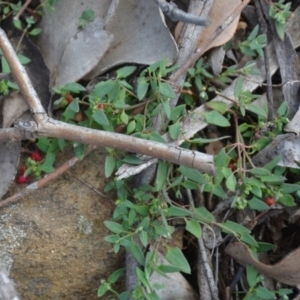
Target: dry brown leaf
column 219, row 12
column 213, row 148
column 286, row 271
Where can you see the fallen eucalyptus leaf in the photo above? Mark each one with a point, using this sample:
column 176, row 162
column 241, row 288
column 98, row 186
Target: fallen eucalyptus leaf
column 286, row 271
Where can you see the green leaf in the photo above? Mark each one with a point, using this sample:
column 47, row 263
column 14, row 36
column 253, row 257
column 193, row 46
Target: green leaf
column 264, row 293
column 280, row 29
column 167, row 107
column 74, row 105
column 110, row 165
column 257, row 110
column 259, row 171
column 177, row 259
column 194, row 228
column 231, row 182
column 253, row 33
column 166, row 90
column 143, row 235
column 256, row 190
column 174, row 211
column 257, row 204
column 238, row 87
column 125, row 71
column 79, row 150
column 116, row 275
column 219, row 106
column 114, row 227
column 251, row 275
column 141, row 276
column 215, row 118
column 137, row 253
column 272, row 179
column 192, row 174
column 288, row 188
column 219, row 192
column 102, row 290
column 103, row 88
column 248, row 239
column 100, row 117
column 174, row 131
column 272, row 164
column 132, row 159
column 124, row 117
column 4, row 65
column 177, row 112
column 230, row 227
column 142, row 87
column 265, row 247
column 35, row 31
column 47, row 165
column 287, row 200
column 203, row 215
column 205, row 141
column 161, row 175
column 131, row 127
column 73, row 87
column 17, row 23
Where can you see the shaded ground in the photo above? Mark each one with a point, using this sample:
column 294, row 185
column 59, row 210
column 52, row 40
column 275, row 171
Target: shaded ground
column 52, row 241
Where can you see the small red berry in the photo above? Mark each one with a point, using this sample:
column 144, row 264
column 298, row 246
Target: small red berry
column 100, row 106
column 21, row 179
column 69, row 98
column 269, row 200
column 22, row 170
column 36, row 155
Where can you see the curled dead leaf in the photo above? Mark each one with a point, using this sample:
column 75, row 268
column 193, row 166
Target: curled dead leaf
column 286, row 271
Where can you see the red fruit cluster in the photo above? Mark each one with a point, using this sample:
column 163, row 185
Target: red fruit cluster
column 232, row 164
column 36, row 156
column 69, row 98
column 270, row 200
column 21, row 179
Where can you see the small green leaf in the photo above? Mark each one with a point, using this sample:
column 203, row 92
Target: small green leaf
column 231, row 182
column 177, row 112
column 167, row 107
column 124, row 117
column 100, row 117
column 73, row 87
column 177, row 259
column 253, row 33
column 288, row 188
column 280, row 29
column 203, row 215
column 166, row 90
column 257, row 110
column 110, row 165
column 272, row 179
column 259, row 172
column 4, row 65
column 174, row 211
column 137, row 253
column 219, row 192
column 174, row 131
column 248, row 239
column 264, row 293
column 47, row 165
column 219, row 106
column 257, row 204
column 230, row 227
column 79, row 150
column 114, row 227
column 265, row 247
column 215, row 118
column 272, row 164
column 161, row 175
column 192, row 174
column 132, row 159
column 238, row 87
column 131, row 127
column 125, row 72
column 251, row 275
column 116, row 275
column 142, row 88
column 35, row 31
column 193, row 227
column 287, row 200
column 141, row 276
column 74, row 105
column 102, row 290
column 103, row 88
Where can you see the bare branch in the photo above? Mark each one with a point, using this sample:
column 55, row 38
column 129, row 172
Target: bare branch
column 46, row 126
